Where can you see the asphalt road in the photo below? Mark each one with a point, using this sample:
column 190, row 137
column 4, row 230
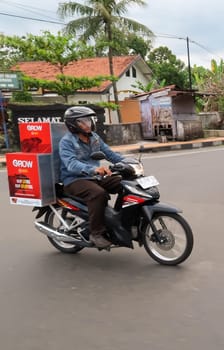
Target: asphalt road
column 120, row 300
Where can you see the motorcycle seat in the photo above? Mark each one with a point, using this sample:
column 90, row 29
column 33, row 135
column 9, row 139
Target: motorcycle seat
column 59, row 187
column 78, row 199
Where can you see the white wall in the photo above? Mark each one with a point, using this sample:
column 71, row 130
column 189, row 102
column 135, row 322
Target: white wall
column 125, row 90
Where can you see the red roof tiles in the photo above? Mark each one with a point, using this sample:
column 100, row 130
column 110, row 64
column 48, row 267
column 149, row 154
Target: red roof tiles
column 88, row 67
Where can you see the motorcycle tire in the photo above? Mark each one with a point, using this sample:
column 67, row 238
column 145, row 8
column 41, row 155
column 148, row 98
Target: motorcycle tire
column 177, row 238
column 64, row 247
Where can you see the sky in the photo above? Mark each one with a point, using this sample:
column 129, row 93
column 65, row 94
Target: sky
column 172, row 22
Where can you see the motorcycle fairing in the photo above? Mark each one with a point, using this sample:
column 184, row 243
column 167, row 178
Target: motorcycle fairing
column 149, row 210
column 70, row 203
column 117, row 233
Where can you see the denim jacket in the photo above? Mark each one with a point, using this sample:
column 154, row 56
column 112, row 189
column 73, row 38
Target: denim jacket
column 76, row 162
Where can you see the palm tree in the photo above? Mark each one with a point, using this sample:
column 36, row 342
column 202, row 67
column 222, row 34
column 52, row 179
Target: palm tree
column 103, row 16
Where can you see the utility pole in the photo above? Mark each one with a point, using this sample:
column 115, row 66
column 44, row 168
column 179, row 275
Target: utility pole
column 4, row 120
column 189, row 65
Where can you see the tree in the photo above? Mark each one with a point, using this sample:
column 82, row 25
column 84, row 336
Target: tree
column 211, row 82
column 64, row 85
column 166, row 67
column 125, row 44
column 58, row 49
column 138, row 45
column 8, row 56
column 153, row 84
column 102, row 16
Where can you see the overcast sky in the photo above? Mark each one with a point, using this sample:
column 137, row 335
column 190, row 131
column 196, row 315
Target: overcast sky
column 200, row 21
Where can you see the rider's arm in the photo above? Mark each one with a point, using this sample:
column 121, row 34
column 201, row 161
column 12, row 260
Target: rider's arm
column 112, row 156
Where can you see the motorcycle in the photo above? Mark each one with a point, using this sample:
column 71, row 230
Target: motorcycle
column 136, row 217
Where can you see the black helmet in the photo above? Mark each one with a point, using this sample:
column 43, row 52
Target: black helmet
column 74, row 114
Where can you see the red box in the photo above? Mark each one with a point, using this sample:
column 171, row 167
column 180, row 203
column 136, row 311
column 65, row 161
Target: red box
column 38, row 137
column 35, row 137
column 30, row 179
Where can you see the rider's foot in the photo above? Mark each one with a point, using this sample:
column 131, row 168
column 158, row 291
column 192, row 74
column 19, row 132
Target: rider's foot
column 99, row 241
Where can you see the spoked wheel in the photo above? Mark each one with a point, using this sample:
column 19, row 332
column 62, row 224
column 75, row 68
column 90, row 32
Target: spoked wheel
column 52, row 220
column 176, row 241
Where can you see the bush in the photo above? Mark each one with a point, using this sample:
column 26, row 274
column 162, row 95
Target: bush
column 22, row 96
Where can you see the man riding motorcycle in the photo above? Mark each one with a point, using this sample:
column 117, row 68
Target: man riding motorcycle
column 78, row 168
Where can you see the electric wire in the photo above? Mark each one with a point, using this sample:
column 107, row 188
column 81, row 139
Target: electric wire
column 169, row 36
column 32, row 18
column 54, row 21
column 33, row 10
column 28, row 8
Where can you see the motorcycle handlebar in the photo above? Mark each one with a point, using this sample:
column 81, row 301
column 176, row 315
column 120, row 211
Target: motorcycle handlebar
column 100, row 177
column 120, row 168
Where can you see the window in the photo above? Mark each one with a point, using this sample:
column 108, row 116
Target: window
column 134, row 72
column 127, row 73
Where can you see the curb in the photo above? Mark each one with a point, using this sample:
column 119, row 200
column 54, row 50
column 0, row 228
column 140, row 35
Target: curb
column 182, row 146
column 172, row 146
column 158, row 147
column 2, row 163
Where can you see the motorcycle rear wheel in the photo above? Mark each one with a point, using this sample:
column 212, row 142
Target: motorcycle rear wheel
column 64, row 247
column 177, row 236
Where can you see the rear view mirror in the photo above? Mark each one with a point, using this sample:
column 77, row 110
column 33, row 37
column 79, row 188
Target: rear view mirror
column 98, row 155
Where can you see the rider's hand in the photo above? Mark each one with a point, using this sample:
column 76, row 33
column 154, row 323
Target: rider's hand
column 103, row 171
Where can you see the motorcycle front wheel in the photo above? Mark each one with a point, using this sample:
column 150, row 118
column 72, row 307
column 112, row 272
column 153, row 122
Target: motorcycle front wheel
column 175, row 242
column 52, row 220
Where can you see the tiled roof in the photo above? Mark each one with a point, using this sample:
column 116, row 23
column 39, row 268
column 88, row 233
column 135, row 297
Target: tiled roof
column 88, row 67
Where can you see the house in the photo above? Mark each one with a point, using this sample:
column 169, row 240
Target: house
column 128, row 70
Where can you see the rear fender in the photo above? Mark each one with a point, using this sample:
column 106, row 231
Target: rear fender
column 41, row 211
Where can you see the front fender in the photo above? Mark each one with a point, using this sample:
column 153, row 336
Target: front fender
column 149, row 210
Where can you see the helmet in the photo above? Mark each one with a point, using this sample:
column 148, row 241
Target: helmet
column 74, row 116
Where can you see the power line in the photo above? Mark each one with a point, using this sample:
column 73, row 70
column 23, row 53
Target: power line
column 205, row 48
column 169, row 36
column 187, row 39
column 31, row 18
column 33, row 9
column 159, row 35
column 37, row 13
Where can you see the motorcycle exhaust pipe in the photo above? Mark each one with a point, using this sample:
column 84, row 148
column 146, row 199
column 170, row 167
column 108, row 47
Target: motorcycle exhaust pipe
column 50, row 232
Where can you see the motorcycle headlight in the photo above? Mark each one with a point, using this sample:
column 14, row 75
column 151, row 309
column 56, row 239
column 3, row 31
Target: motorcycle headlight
column 138, row 169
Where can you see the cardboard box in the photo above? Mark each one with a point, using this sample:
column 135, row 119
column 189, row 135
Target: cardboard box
column 30, row 179
column 35, row 137
column 38, row 137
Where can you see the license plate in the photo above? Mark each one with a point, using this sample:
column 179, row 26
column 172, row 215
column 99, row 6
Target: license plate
column 147, row 182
